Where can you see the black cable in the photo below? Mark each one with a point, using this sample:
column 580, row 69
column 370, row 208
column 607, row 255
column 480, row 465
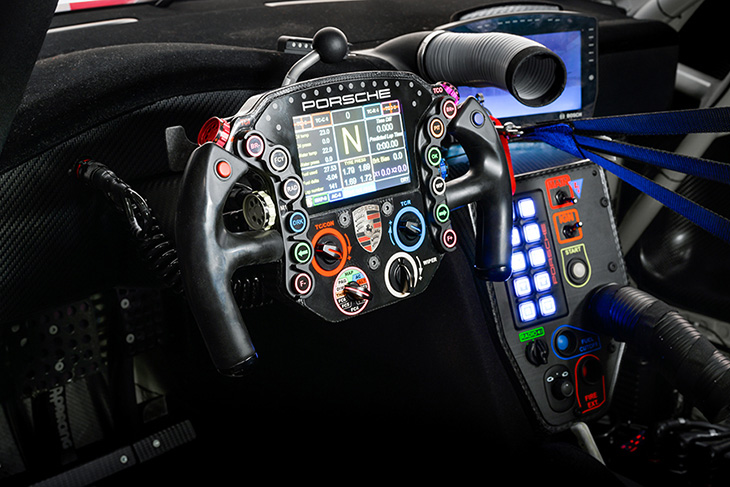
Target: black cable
column 156, row 248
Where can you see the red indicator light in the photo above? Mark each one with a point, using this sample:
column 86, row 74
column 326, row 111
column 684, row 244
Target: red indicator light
column 223, row 169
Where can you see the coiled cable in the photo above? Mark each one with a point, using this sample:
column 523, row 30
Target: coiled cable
column 156, row 248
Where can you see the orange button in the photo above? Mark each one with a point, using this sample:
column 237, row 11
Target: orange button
column 436, row 128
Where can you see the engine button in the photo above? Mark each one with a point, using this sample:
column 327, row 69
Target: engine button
column 577, row 271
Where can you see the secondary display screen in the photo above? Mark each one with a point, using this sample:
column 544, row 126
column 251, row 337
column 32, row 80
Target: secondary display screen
column 352, row 151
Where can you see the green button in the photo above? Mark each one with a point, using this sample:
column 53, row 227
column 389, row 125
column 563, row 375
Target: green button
column 442, row 213
column 302, row 252
column 433, row 156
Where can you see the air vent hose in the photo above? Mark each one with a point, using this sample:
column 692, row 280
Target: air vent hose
column 533, row 74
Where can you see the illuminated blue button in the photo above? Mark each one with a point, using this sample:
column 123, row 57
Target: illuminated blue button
column 516, row 239
column 547, row 306
column 531, row 232
column 297, row 222
column 522, row 286
column 563, row 342
column 542, row 281
column 526, row 207
column 519, row 263
column 537, row 257
column 527, row 311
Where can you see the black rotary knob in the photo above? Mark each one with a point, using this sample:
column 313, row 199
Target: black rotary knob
column 402, row 276
column 328, row 252
column 537, row 352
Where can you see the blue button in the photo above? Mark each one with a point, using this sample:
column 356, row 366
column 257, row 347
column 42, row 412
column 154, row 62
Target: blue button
column 477, row 118
column 522, row 286
column 527, row 208
column 516, row 239
column 542, row 281
column 537, row 257
column 547, row 305
column 532, row 232
column 297, row 222
column 519, row 263
column 562, row 342
column 527, row 311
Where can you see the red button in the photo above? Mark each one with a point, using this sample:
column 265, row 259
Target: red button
column 449, row 109
column 449, row 238
column 223, row 169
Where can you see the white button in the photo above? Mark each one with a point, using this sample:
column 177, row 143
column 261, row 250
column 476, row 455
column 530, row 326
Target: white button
column 547, row 305
column 516, row 239
column 522, row 286
column 527, row 310
column 542, row 281
column 532, row 232
column 519, row 263
column 527, row 208
column 537, row 257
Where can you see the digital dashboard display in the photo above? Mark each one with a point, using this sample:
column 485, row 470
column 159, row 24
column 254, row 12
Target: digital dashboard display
column 567, row 45
column 351, row 151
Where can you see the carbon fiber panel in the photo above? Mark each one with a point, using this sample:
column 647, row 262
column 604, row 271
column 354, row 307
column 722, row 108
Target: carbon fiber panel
column 58, row 240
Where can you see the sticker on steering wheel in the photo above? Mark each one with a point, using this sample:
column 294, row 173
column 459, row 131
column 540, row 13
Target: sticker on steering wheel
column 351, row 291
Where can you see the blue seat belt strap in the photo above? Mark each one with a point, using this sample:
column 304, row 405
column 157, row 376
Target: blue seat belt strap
column 680, row 122
column 575, row 138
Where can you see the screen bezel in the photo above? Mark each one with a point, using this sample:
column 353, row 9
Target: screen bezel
column 546, row 22
column 339, row 160
column 413, row 96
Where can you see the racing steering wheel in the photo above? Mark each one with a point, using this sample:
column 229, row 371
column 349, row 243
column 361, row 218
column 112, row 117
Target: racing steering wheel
column 354, row 209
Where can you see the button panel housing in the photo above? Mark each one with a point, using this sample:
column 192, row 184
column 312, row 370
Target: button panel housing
column 544, row 301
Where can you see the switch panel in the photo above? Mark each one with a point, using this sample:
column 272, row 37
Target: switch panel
column 564, row 245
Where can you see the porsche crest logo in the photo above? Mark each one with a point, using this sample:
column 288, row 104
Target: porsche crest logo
column 368, row 226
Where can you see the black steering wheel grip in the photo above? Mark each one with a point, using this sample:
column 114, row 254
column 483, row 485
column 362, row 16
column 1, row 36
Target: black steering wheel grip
column 488, row 182
column 209, row 254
